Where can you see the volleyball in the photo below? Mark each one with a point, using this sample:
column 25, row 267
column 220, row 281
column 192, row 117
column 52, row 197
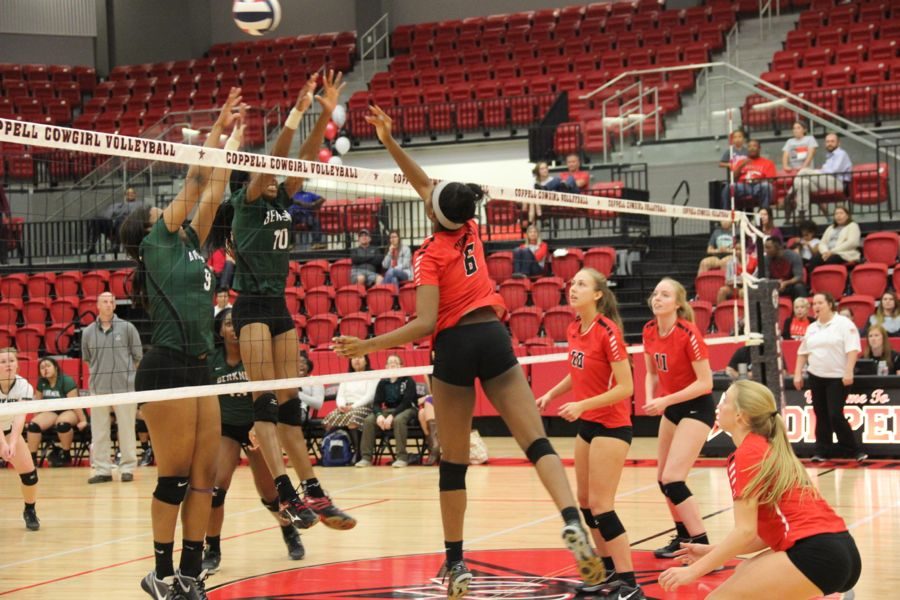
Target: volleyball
column 257, row 17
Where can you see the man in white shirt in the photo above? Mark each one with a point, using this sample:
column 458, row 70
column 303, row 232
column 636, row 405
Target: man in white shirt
column 834, row 175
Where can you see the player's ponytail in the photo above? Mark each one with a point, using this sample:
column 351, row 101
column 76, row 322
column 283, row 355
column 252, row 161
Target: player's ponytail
column 455, row 203
column 780, row 470
column 131, row 234
column 220, row 232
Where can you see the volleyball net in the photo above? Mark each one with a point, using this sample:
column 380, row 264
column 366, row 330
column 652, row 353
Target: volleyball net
column 335, row 203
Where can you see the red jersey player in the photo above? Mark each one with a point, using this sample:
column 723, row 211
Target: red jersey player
column 600, row 377
column 811, row 554
column 678, row 387
column 457, row 305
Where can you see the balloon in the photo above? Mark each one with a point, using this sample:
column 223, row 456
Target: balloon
column 335, row 160
column 331, row 131
column 339, row 115
column 325, row 155
column 342, row 145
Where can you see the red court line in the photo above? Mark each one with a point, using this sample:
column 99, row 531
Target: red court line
column 148, row 556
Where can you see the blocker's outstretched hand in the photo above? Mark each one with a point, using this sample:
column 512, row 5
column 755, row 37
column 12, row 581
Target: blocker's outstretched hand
column 331, row 90
column 227, row 115
column 382, row 123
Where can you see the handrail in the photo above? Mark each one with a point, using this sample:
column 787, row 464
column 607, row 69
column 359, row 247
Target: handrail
column 733, row 44
column 374, row 40
column 764, row 88
column 686, row 186
column 765, row 18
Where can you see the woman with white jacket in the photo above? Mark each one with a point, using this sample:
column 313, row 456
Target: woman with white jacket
column 397, row 263
column 354, row 399
column 840, row 243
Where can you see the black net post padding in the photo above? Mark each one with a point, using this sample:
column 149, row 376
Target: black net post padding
column 766, row 359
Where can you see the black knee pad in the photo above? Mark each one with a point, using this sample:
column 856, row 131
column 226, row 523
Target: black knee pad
column 272, row 505
column 589, row 518
column 29, row 479
column 677, row 492
column 609, row 525
column 141, row 426
column 538, row 449
column 33, row 427
column 218, row 497
column 289, row 413
column 63, row 427
column 452, row 476
column 265, row 408
column 171, row 490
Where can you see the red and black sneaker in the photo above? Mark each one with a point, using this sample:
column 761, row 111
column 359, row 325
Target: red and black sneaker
column 330, row 514
column 299, row 513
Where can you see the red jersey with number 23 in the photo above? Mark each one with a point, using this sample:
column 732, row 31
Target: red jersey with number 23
column 591, row 355
column 454, row 261
column 674, row 353
column 797, row 515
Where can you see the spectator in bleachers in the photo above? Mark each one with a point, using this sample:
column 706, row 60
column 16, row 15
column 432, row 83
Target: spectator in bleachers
column 736, row 151
column 365, row 261
column 786, row 266
column 807, row 244
column 52, row 383
column 799, row 150
column 222, row 301
column 530, row 259
column 397, row 262
column 543, row 180
column 393, row 407
column 834, row 175
column 766, row 225
column 733, row 270
column 428, row 423
column 840, row 243
column 879, row 349
column 305, row 217
column 751, row 175
column 578, row 180
column 887, row 315
column 719, row 248
column 354, row 399
column 312, row 397
column 795, row 326
column 110, row 219
column 222, row 264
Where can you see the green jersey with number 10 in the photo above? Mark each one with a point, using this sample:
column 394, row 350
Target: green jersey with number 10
column 262, row 240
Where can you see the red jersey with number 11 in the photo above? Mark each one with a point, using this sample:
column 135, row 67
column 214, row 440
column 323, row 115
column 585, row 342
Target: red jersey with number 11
column 674, row 353
column 454, row 261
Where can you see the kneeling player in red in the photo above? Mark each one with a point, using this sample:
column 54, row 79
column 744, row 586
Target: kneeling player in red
column 776, row 507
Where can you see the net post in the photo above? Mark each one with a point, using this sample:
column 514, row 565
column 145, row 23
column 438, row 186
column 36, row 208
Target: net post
column 766, row 357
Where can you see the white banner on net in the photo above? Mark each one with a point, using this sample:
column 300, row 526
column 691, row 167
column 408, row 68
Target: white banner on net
column 65, row 138
column 36, row 406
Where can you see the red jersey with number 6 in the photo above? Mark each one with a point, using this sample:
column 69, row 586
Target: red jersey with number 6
column 798, row 514
column 454, row 261
column 591, row 355
column 674, row 353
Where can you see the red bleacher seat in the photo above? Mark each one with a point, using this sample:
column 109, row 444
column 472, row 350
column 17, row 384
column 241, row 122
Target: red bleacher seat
column 9, row 313
column 319, row 300
column 407, row 298
column 380, row 298
column 708, row 283
column 546, row 292
column 829, row 278
column 567, row 265
column 862, row 306
column 515, row 292
column 348, row 299
column 603, row 259
column 35, row 311
column 94, row 283
column 40, row 285
column 556, row 322
column 724, row 315
column 312, row 273
column 525, row 323
column 702, row 314
column 120, row 283
column 881, row 247
column 67, row 283
column 29, row 339
column 499, row 264
column 58, row 339
column 63, row 310
column 870, row 278
column 294, row 297
column 320, row 329
column 355, row 325
column 389, row 321
column 869, row 184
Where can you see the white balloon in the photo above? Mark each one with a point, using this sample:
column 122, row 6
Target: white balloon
column 342, row 145
column 339, row 115
column 335, row 160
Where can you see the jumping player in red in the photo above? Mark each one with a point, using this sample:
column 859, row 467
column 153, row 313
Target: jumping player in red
column 678, row 387
column 809, row 552
column 600, row 377
column 457, row 305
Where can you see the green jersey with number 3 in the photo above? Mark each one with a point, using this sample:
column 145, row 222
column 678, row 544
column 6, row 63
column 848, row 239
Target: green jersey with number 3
column 262, row 239
column 180, row 290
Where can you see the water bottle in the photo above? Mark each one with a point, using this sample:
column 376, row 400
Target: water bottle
column 882, row 368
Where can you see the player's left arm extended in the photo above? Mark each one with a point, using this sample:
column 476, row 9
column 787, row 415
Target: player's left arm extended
column 742, row 539
column 701, row 385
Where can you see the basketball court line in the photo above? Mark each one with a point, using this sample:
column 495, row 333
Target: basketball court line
column 873, row 516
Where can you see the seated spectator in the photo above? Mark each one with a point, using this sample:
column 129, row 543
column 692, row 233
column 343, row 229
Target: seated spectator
column 840, row 243
column 834, row 176
column 312, row 397
column 795, row 326
column 397, row 262
column 879, row 349
column 736, row 150
column 786, row 267
column 750, row 178
column 576, row 179
column 305, row 217
column 394, row 406
column 52, row 383
column 354, row 399
column 887, row 315
column 108, row 221
column 799, row 150
column 719, row 249
column 733, row 271
column 222, row 301
column 222, row 264
column 807, row 245
column 543, row 180
column 429, row 425
column 766, row 225
column 365, row 261
column 530, row 259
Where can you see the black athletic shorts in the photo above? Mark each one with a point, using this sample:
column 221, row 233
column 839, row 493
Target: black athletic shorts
column 588, row 430
column 163, row 368
column 702, row 409
column 271, row 311
column 239, row 433
column 830, row 560
column 466, row 352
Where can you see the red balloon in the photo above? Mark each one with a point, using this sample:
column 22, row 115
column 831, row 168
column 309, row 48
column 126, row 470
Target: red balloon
column 324, row 155
column 331, row 131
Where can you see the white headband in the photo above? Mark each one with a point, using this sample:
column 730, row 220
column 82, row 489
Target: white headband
column 436, row 206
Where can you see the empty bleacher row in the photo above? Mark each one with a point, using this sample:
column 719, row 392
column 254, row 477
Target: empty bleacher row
column 842, row 57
